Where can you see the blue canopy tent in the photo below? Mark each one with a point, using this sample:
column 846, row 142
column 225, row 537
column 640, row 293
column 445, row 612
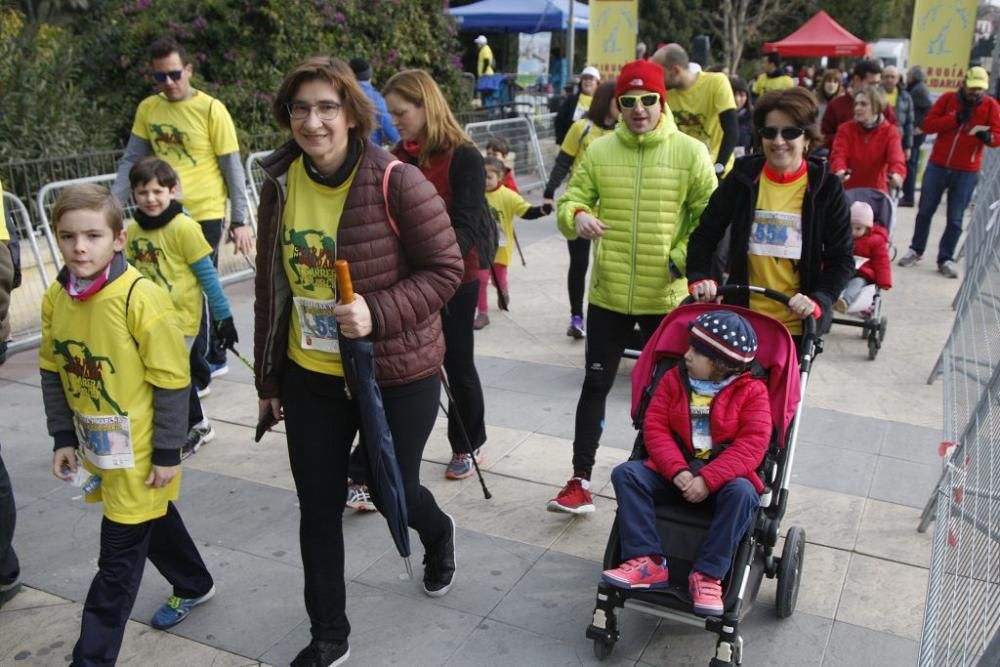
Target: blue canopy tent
column 520, row 16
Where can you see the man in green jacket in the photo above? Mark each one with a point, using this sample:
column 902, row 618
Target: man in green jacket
column 652, row 182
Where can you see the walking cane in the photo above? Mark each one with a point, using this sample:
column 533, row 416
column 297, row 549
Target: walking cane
column 517, row 244
column 461, row 429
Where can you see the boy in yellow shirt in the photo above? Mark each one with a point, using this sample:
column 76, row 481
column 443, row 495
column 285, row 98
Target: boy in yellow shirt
column 505, row 204
column 168, row 247
column 115, row 386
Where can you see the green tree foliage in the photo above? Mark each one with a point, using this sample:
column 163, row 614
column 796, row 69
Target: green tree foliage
column 240, row 50
column 671, row 21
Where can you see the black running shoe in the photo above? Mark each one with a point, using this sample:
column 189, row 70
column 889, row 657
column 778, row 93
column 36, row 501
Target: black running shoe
column 439, row 566
column 320, row 653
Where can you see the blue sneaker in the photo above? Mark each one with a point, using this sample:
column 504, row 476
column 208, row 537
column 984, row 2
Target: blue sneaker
column 218, row 370
column 177, row 609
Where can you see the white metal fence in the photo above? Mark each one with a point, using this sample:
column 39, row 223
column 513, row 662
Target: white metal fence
column 962, row 610
column 529, row 139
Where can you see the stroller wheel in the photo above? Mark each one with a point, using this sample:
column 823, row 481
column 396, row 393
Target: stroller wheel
column 603, row 648
column 882, row 324
column 790, row 571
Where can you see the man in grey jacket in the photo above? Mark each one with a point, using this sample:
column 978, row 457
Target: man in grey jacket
column 901, row 103
column 922, row 103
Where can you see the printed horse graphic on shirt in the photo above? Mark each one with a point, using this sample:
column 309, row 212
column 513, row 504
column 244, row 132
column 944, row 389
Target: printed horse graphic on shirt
column 168, row 139
column 147, row 260
column 85, row 372
column 309, row 263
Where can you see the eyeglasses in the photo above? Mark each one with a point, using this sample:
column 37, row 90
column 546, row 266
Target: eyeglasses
column 648, row 100
column 787, row 133
column 324, row 110
column 174, row 74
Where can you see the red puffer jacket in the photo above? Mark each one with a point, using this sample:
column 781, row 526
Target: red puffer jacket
column 875, row 246
column 871, row 155
column 740, row 416
column 954, row 147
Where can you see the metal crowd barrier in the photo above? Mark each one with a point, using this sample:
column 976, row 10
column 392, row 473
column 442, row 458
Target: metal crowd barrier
column 521, row 134
column 37, row 273
column 962, row 611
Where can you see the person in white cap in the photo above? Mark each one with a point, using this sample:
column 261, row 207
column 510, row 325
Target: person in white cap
column 577, row 105
column 484, row 59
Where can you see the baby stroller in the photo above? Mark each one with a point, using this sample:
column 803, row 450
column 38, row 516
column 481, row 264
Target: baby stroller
column 867, row 307
column 682, row 527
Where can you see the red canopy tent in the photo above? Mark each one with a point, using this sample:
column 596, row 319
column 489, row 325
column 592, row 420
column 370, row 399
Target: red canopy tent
column 819, row 36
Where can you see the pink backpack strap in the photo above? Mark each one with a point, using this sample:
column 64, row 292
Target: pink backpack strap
column 385, row 195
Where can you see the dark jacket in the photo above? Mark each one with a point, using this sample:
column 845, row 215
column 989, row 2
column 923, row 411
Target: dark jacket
column 827, row 261
column 905, row 116
column 404, row 279
column 921, row 97
column 564, row 117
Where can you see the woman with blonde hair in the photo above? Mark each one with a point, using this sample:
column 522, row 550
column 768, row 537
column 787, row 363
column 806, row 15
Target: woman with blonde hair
column 867, row 152
column 322, row 201
column 432, row 139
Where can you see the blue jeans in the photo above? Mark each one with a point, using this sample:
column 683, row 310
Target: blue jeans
column 910, row 184
column 960, row 186
column 639, row 490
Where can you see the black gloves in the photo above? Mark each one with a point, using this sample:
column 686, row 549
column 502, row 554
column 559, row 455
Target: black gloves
column 225, row 330
column 985, row 136
column 963, row 114
column 547, row 208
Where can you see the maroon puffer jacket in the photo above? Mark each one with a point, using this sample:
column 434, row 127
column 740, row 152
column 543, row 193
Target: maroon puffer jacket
column 740, row 417
column 405, row 280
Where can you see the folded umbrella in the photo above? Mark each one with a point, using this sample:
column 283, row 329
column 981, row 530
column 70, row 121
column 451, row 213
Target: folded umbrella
column 384, row 478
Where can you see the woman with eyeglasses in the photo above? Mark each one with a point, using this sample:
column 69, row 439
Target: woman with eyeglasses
column 652, row 182
column 867, row 152
column 322, row 200
column 788, row 224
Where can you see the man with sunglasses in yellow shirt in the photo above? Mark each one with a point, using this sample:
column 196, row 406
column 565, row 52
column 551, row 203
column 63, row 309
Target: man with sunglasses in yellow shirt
column 193, row 133
column 652, row 182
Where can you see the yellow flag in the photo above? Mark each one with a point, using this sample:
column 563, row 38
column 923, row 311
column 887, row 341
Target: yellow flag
column 611, row 35
column 941, row 41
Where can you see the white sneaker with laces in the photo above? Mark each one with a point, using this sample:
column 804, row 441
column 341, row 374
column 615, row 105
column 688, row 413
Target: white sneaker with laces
column 909, row 258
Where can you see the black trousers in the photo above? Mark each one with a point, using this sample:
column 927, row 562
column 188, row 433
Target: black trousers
column 576, row 278
column 9, row 567
column 321, row 423
column 124, row 549
column 608, row 334
column 460, row 365
column 215, row 353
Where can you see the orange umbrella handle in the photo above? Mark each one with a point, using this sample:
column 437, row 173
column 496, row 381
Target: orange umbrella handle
column 345, row 288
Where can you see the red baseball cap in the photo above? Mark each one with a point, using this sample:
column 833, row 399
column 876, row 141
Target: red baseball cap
column 642, row 74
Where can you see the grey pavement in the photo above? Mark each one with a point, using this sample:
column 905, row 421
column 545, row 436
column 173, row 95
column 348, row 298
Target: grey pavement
column 865, row 464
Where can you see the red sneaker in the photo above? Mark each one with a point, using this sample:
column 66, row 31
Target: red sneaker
column 573, row 499
column 706, row 594
column 642, row 572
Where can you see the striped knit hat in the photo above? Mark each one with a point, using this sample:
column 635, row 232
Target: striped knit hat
column 724, row 335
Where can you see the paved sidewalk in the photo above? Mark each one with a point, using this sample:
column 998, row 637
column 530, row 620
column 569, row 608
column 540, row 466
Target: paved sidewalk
column 524, row 591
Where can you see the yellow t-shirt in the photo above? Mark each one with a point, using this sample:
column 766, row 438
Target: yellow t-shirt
column 583, row 103
column 891, row 97
column 579, row 136
column 165, row 255
column 190, row 136
column 484, row 61
column 506, row 205
column 765, row 84
column 696, row 110
column 108, row 370
column 4, row 233
column 776, row 246
column 308, row 250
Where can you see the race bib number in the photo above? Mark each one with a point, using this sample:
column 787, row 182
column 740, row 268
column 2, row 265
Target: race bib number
column 776, row 234
column 318, row 324
column 106, row 441
column 501, row 236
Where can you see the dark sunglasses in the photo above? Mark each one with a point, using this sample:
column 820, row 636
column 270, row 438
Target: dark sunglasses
column 787, row 133
column 174, row 74
column 648, row 100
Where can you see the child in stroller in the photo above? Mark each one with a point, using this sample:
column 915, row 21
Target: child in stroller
column 871, row 244
column 707, row 429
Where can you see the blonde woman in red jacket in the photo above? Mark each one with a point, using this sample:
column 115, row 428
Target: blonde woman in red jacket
column 867, row 152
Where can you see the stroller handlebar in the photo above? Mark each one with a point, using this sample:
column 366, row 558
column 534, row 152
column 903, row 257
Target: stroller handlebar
column 742, row 292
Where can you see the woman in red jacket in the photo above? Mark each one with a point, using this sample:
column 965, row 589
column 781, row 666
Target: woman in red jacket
column 706, row 431
column 867, row 152
column 871, row 242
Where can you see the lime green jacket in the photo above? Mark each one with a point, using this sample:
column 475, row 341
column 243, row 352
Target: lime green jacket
column 651, row 189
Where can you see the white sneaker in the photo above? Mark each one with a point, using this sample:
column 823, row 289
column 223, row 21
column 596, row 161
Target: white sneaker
column 359, row 499
column 200, row 434
column 909, row 258
column 948, row 269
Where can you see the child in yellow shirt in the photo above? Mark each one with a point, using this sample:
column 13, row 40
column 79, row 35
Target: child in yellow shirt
column 115, row 386
column 505, row 204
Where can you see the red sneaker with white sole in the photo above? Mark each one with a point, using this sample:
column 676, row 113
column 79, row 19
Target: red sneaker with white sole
column 639, row 573
column 573, row 499
column 706, row 594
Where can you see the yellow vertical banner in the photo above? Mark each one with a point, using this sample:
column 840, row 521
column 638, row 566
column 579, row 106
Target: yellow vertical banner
column 612, row 34
column 941, row 40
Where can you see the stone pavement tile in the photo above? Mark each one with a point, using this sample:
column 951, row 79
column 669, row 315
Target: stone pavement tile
column 538, row 379
column 829, row 518
column 513, row 409
column 22, row 367
column 840, row 470
column 487, row 568
column 851, row 646
column 233, row 453
column 556, row 599
column 445, row 490
column 618, row 430
column 516, row 511
column 912, row 443
column 834, row 428
column 587, row 536
column 388, row 629
column 496, row 644
column 233, row 402
column 499, row 441
column 548, row 460
column 30, row 598
column 27, row 455
column 884, row 596
column 797, row 641
column 889, row 531
column 823, row 578
column 903, row 482
column 257, row 602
